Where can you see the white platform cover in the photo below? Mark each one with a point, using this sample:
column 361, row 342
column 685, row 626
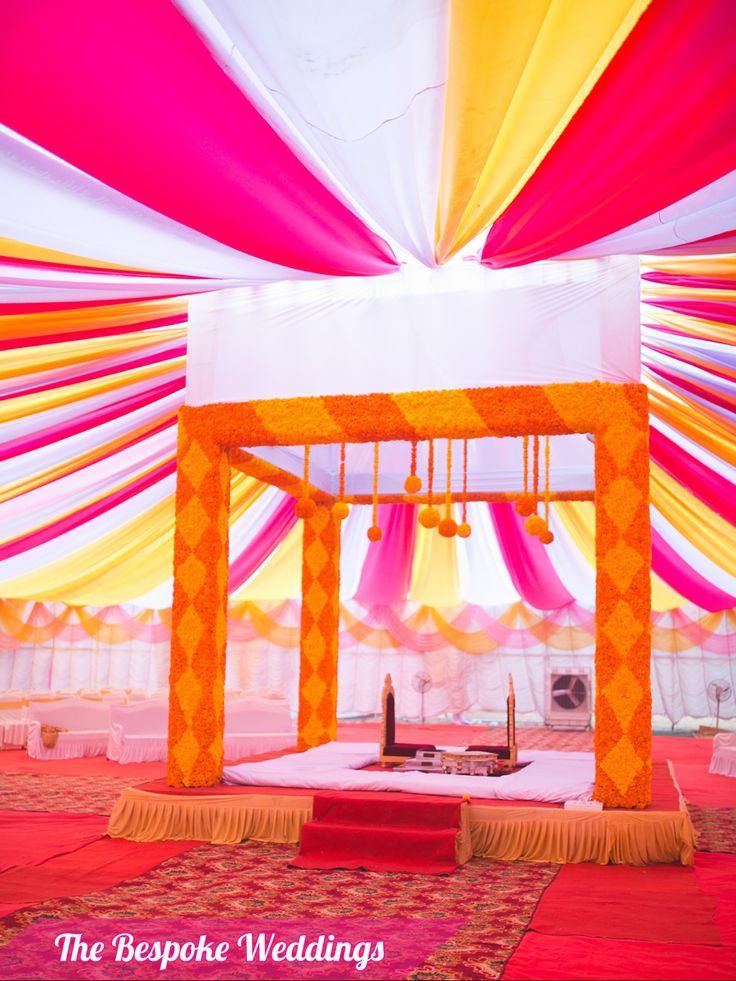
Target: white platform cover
column 552, row 777
column 459, row 326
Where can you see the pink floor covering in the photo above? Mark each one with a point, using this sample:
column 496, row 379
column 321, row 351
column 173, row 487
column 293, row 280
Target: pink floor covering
column 592, row 922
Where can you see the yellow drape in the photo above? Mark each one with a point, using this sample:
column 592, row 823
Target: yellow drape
column 709, row 532
column 518, row 72
column 709, row 330
column 435, row 580
column 695, row 421
column 41, row 477
column 708, row 267
column 27, row 405
column 13, row 249
column 127, row 562
column 578, row 518
column 280, row 577
column 45, row 357
column 76, row 320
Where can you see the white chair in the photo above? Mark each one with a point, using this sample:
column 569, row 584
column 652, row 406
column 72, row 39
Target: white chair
column 84, row 726
column 723, row 760
column 139, row 732
column 255, row 725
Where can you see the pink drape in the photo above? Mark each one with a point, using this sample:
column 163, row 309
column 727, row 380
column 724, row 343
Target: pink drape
column 713, row 245
column 684, row 579
column 710, row 487
column 722, row 313
column 84, row 514
column 263, row 544
column 89, row 420
column 691, row 282
column 386, row 574
column 129, row 93
column 658, row 126
column 527, row 561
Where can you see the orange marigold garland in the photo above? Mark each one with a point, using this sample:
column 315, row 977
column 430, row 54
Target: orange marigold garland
column 413, row 483
column 546, row 537
column 340, row 508
column 429, row 517
column 305, row 507
column 534, row 524
column 464, row 529
column 374, row 532
column 448, row 527
column 525, row 504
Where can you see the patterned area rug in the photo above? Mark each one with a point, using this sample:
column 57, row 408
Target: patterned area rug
column 50, row 792
column 715, row 828
column 254, row 880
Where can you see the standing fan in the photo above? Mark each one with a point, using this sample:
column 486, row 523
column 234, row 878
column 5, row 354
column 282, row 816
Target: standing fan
column 421, row 682
column 719, row 691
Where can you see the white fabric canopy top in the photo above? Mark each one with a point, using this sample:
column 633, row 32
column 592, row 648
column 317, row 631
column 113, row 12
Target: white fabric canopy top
column 458, row 326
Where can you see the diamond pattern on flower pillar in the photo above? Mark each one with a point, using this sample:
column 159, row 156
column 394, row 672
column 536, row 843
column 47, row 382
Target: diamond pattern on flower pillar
column 199, row 614
column 319, row 629
column 623, row 603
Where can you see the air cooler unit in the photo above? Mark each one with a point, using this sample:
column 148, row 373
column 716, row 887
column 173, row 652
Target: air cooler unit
column 569, row 700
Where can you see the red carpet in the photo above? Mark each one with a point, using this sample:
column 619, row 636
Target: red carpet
column 716, row 876
column 31, row 838
column 352, row 831
column 99, row 865
column 18, row 761
column 541, row 958
column 657, row 922
column 658, row 902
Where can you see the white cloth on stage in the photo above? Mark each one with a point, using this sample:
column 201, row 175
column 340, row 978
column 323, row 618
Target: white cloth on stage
column 551, row 777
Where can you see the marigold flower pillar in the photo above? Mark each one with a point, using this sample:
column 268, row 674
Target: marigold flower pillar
column 199, row 613
column 623, row 705
column 319, row 628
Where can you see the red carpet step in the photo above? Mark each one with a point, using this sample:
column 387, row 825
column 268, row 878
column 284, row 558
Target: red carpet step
column 354, row 830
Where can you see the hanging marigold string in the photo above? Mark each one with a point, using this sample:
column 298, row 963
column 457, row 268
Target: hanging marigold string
column 534, row 524
column 448, row 527
column 525, row 504
column 374, row 532
column 340, row 508
column 546, row 536
column 305, row 506
column 430, row 516
column 413, row 483
column 464, row 529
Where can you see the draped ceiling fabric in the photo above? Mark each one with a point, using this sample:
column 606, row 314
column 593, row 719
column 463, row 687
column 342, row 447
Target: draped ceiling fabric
column 153, row 151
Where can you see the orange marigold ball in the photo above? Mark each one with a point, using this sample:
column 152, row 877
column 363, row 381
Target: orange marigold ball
column 305, row 507
column 341, row 510
column 447, row 528
column 429, row 517
column 546, row 537
column 374, row 533
column 525, row 505
column 464, row 529
column 413, row 484
column 534, row 524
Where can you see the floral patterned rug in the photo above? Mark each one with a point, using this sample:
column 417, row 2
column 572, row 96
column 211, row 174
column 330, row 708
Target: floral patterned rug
column 51, row 792
column 715, row 828
column 255, row 880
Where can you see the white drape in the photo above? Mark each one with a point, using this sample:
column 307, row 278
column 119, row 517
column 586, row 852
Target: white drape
column 462, row 684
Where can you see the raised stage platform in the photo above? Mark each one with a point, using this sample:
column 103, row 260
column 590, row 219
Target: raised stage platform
column 502, row 830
